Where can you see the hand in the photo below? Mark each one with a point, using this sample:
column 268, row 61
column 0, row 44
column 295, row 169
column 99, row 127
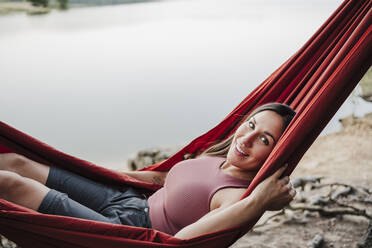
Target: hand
column 275, row 193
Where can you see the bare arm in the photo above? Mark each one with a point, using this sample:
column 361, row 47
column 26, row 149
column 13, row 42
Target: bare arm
column 156, row 177
column 218, row 219
column 271, row 194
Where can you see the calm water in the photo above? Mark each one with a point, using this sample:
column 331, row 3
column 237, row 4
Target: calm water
column 103, row 82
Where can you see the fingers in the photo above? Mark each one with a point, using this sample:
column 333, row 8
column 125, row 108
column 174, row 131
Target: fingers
column 289, row 185
column 285, row 180
column 280, row 171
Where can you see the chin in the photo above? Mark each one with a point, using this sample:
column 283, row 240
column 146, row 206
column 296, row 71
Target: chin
column 242, row 163
column 236, row 161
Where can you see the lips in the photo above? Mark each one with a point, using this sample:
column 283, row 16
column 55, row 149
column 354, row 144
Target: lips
column 239, row 151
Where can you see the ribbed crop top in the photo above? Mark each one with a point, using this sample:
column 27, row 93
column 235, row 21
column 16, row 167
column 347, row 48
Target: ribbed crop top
column 187, row 192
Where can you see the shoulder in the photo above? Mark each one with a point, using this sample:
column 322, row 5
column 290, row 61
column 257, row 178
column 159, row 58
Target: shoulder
column 225, row 197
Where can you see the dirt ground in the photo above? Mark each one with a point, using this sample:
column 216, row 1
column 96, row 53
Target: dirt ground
column 344, row 157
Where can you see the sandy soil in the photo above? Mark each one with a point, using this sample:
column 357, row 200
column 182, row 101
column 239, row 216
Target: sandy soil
column 345, row 157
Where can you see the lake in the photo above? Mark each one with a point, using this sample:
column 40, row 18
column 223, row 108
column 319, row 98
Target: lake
column 101, row 83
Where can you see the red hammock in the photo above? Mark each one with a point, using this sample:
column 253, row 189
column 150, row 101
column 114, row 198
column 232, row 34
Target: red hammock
column 315, row 81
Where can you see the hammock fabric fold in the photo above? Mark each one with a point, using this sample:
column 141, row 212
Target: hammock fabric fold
column 315, row 81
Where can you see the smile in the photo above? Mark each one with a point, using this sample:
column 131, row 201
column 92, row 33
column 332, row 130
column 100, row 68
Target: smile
column 239, row 151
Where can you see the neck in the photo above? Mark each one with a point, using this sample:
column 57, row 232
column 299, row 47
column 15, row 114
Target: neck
column 234, row 171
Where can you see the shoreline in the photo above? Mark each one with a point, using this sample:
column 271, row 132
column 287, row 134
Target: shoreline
column 9, row 8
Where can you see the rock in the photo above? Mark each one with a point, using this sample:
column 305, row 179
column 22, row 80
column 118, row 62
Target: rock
column 319, row 200
column 356, row 125
column 307, row 214
column 367, row 98
column 316, row 242
column 150, row 156
column 348, row 121
column 343, row 192
column 302, row 181
column 367, row 200
column 6, row 243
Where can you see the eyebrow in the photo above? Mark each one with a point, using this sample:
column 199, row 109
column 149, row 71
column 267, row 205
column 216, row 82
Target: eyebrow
column 266, row 132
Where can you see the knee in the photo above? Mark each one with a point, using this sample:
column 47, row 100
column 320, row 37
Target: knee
column 9, row 183
column 12, row 162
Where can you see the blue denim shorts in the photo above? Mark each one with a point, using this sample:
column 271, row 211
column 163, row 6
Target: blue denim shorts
column 76, row 196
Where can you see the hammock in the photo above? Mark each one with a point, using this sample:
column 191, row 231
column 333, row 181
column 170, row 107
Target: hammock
column 314, row 81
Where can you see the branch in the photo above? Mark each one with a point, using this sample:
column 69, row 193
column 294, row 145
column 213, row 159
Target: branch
column 330, row 212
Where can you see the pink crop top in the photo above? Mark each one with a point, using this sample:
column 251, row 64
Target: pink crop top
column 187, row 193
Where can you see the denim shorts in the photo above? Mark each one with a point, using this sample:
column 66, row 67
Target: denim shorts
column 76, row 196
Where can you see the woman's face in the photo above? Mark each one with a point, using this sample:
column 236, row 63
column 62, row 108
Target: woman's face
column 254, row 140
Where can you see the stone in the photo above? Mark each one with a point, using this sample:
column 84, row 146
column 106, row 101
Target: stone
column 6, row 243
column 316, row 242
column 341, row 192
column 318, row 200
column 302, row 181
column 150, row 156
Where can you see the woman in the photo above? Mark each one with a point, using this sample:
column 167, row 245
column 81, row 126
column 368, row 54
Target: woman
column 199, row 195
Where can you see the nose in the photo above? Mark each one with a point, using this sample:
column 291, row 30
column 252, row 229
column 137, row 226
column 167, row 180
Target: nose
column 248, row 139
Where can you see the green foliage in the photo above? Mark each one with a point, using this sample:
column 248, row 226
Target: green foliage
column 63, row 4
column 43, row 3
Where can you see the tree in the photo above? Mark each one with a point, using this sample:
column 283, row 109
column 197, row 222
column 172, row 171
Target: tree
column 63, row 4
column 43, row 3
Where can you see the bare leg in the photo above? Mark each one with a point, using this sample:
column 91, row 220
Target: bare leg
column 24, row 167
column 21, row 190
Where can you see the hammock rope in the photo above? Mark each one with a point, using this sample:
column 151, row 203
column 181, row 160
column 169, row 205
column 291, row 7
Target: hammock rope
column 315, row 81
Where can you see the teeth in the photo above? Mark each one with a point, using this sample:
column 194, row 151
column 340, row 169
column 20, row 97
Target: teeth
column 237, row 147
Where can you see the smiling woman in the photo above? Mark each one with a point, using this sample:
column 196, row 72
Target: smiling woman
column 211, row 195
column 314, row 81
column 253, row 141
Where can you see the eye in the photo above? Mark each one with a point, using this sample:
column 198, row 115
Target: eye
column 251, row 125
column 264, row 140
